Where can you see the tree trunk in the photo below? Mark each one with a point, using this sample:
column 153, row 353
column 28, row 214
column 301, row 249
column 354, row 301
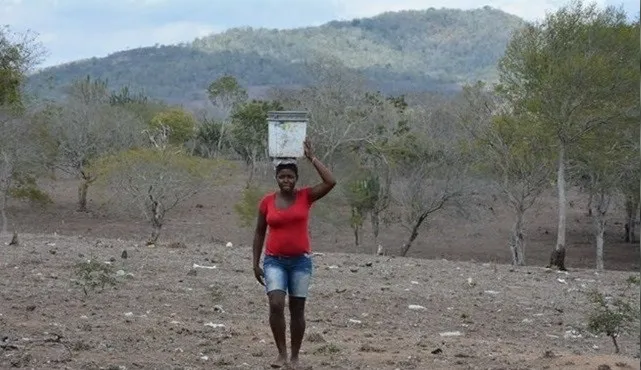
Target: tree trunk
column 558, row 254
column 376, row 222
column 631, row 209
column 356, row 230
column 616, row 345
column 220, row 138
column 599, row 210
column 599, row 224
column 406, row 247
column 6, row 176
column 155, row 233
column 3, row 213
column 517, row 243
column 252, row 169
column 157, row 217
column 82, row 196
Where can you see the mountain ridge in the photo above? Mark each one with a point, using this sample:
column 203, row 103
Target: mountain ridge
column 410, row 50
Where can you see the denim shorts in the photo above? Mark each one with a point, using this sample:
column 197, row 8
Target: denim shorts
column 289, row 274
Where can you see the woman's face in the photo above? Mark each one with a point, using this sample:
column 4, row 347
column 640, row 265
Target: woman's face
column 286, row 179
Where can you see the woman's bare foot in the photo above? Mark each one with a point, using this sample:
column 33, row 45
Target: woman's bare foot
column 295, row 364
column 280, row 361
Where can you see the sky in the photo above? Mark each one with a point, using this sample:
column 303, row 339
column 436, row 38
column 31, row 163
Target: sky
column 77, row 29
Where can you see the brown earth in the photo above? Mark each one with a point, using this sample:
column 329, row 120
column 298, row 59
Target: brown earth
column 164, row 313
column 524, row 318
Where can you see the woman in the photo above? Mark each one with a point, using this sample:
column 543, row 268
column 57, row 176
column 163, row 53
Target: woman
column 287, row 266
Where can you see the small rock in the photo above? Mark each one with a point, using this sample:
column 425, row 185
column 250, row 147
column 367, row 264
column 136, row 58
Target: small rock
column 192, row 272
column 123, row 255
column 353, row 269
column 437, row 351
column 120, row 273
column 604, row 367
column 229, row 245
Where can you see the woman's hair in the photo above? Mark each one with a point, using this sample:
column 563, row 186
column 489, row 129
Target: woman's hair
column 291, row 166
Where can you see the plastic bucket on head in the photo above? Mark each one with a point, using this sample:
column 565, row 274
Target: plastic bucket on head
column 286, row 133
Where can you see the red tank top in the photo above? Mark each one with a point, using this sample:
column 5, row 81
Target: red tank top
column 287, row 233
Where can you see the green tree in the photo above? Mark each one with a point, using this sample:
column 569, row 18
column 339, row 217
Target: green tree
column 249, row 132
column 21, row 159
column 607, row 157
column 226, row 94
column 574, row 71
column 18, row 54
column 179, row 124
column 362, row 192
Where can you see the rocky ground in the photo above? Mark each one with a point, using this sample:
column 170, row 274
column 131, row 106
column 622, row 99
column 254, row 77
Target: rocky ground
column 197, row 306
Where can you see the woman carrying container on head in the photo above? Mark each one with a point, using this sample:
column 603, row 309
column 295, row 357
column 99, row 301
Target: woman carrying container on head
column 287, row 265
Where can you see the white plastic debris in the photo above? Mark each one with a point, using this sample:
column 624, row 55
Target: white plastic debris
column 416, row 307
column 196, row 266
column 229, row 244
column 562, row 281
column 353, row 321
column 451, row 334
column 215, row 326
column 492, row 292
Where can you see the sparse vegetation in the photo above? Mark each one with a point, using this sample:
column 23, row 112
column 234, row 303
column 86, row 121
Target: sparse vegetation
column 612, row 315
column 465, row 175
column 91, row 274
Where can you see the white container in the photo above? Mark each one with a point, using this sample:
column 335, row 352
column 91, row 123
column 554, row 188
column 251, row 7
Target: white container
column 286, row 133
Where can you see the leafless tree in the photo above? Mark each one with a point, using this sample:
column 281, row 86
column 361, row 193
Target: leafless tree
column 85, row 130
column 156, row 181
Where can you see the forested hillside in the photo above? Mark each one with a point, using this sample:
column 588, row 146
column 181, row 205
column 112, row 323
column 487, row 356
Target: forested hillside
column 399, row 51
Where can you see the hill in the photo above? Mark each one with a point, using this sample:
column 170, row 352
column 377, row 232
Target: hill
column 199, row 307
column 433, row 49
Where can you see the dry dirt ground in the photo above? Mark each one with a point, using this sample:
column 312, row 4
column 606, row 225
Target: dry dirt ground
column 171, row 309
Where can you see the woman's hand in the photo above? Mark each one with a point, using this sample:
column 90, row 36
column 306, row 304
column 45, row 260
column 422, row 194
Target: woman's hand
column 259, row 275
column 308, row 149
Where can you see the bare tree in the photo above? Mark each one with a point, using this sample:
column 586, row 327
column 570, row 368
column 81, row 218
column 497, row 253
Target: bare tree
column 431, row 171
column 338, row 109
column 156, row 181
column 426, row 187
column 512, row 151
column 87, row 129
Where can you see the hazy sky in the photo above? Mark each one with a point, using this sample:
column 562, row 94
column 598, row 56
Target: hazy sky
column 76, row 29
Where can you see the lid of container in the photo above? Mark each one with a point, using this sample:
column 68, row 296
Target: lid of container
column 287, row 115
